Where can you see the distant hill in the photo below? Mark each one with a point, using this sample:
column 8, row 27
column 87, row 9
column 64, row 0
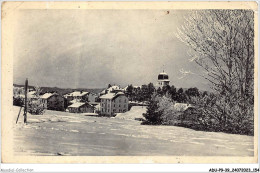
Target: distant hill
column 63, row 91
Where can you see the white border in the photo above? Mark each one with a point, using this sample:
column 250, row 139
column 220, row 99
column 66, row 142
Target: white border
column 122, row 167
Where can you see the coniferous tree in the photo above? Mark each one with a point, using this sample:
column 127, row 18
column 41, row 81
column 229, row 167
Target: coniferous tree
column 173, row 93
column 129, row 92
column 153, row 115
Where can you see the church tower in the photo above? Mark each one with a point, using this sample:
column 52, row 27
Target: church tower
column 163, row 80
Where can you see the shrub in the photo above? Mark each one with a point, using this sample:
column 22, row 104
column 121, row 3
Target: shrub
column 169, row 113
column 217, row 113
column 212, row 112
column 35, row 107
column 18, row 101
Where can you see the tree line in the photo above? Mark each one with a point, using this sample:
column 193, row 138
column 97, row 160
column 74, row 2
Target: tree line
column 145, row 92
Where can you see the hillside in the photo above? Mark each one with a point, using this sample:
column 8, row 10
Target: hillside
column 63, row 91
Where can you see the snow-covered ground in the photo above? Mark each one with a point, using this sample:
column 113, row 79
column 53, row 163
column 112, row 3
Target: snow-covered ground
column 136, row 112
column 63, row 133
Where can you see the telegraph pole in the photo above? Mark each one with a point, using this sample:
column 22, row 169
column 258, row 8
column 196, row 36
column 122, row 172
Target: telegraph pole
column 25, row 100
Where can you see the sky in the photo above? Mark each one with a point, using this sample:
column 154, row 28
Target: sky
column 94, row 48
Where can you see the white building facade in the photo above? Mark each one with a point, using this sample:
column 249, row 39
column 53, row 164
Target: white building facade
column 113, row 103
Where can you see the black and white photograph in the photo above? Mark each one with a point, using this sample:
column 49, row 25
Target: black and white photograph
column 132, row 82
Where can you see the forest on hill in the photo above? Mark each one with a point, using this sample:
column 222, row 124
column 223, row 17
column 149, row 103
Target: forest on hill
column 62, row 91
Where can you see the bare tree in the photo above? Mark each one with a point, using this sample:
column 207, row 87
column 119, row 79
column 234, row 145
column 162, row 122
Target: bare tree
column 222, row 43
column 38, row 91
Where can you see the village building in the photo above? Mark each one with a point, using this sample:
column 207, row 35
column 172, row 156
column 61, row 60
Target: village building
column 135, row 88
column 112, row 89
column 52, row 101
column 78, row 95
column 17, row 91
column 80, row 107
column 94, row 103
column 74, row 101
column 20, row 97
column 30, row 95
column 112, row 103
column 182, row 106
column 163, row 80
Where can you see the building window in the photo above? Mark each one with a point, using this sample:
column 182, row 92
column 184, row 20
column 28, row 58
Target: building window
column 114, row 110
column 119, row 105
column 114, row 105
column 108, row 110
column 124, row 106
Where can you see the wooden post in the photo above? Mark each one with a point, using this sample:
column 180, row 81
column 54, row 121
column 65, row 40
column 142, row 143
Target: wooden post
column 25, row 100
column 19, row 114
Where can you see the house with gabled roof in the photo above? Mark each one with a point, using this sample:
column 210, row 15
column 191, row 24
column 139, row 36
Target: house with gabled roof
column 113, row 103
column 79, row 95
column 112, row 89
column 52, row 101
column 81, row 107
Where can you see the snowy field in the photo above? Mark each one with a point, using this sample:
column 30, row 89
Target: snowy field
column 63, row 133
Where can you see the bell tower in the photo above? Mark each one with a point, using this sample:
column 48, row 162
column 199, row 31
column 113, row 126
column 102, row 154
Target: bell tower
column 163, row 80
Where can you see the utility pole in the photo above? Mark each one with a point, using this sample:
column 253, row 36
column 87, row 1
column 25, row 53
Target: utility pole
column 25, row 100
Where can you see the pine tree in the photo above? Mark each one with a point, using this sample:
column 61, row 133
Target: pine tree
column 153, row 115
